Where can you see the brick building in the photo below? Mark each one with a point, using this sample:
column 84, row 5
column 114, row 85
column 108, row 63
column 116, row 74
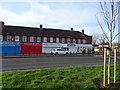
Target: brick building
column 47, row 35
column 50, row 38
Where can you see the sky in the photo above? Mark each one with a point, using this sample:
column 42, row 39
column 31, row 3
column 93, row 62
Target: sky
column 119, row 23
column 60, row 15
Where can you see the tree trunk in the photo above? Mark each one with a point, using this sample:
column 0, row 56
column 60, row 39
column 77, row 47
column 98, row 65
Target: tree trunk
column 111, row 37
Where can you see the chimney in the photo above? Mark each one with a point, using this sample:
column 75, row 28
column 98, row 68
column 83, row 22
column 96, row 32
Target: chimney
column 82, row 31
column 1, row 26
column 71, row 29
column 41, row 26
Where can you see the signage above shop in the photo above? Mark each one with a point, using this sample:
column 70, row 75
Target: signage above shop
column 71, row 45
column 83, row 45
column 53, row 45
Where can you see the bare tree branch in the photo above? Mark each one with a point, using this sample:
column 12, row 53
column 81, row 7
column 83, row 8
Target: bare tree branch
column 109, row 17
column 116, row 36
column 102, row 29
column 106, row 15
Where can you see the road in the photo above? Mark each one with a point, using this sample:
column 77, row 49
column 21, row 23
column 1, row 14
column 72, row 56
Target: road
column 49, row 61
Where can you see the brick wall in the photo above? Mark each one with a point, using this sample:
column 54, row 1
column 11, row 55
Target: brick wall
column 54, row 40
column 88, row 40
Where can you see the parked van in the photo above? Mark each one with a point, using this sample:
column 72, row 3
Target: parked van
column 59, row 51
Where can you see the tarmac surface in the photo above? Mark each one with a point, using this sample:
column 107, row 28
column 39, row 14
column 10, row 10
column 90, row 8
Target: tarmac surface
column 20, row 62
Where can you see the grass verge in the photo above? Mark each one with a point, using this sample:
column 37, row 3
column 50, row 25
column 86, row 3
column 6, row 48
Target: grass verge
column 73, row 77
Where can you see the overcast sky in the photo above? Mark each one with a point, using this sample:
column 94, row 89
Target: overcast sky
column 62, row 15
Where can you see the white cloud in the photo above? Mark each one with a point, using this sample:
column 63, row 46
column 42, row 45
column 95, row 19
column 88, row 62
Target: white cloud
column 62, row 15
column 11, row 17
column 52, row 15
column 56, row 0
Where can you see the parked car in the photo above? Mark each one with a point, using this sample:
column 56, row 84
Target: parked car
column 59, row 51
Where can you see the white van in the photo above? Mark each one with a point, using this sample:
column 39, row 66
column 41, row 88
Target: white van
column 59, row 51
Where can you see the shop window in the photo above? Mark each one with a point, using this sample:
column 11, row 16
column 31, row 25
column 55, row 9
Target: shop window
column 79, row 41
column 57, row 40
column 1, row 38
column 51, row 39
column 63, row 40
column 24, row 38
column 38, row 39
column 84, row 41
column 16, row 38
column 8, row 37
column 31, row 39
column 45, row 39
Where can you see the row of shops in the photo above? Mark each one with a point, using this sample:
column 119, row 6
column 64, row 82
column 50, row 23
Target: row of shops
column 39, row 48
column 73, row 48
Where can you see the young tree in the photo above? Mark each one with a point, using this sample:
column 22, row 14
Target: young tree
column 109, row 13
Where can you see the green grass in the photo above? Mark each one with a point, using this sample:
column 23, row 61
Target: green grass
column 63, row 77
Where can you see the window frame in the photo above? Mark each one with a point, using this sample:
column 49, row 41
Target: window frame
column 84, row 41
column 74, row 40
column 38, row 39
column 51, row 39
column 69, row 40
column 79, row 41
column 24, row 38
column 1, row 38
column 10, row 37
column 17, row 37
column 57, row 40
column 32, row 39
column 63, row 40
column 44, row 39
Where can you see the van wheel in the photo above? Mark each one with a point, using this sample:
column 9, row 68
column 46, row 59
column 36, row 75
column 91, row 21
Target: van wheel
column 66, row 54
column 57, row 53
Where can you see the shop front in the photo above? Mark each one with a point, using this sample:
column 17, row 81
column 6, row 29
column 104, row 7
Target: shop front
column 31, row 48
column 84, row 47
column 72, row 48
column 49, row 47
column 9, row 48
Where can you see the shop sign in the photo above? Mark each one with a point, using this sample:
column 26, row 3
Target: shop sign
column 71, row 45
column 84, row 45
column 51, row 45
